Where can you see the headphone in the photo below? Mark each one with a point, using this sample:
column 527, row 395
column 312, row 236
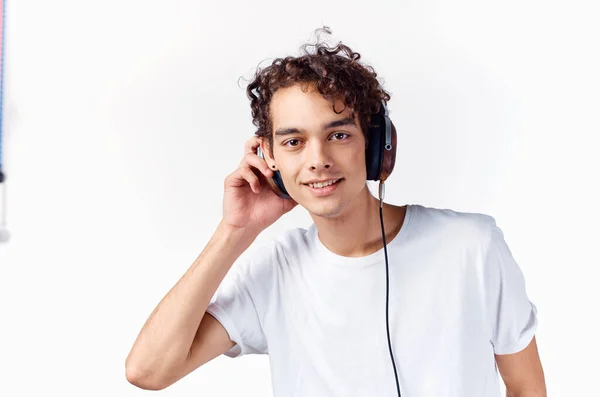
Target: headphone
column 380, row 153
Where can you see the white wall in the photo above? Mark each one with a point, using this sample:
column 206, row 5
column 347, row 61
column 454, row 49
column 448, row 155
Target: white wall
column 122, row 119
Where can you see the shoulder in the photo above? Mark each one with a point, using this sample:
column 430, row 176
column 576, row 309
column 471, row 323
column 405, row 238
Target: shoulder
column 267, row 256
column 293, row 239
column 455, row 225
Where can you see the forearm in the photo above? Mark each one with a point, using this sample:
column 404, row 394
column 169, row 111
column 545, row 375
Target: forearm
column 167, row 335
column 527, row 394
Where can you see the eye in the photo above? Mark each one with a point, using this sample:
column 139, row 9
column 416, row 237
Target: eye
column 337, row 134
column 291, row 140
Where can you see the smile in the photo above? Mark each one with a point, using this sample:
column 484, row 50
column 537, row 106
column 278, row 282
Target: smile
column 324, row 188
column 320, row 185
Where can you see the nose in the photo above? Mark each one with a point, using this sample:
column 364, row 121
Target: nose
column 319, row 157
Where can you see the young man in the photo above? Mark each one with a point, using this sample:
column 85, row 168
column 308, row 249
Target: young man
column 314, row 299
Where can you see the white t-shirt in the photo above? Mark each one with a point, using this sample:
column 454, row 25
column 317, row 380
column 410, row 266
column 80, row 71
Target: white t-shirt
column 456, row 297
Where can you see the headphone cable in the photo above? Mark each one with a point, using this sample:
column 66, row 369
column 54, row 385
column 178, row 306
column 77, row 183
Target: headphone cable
column 387, row 283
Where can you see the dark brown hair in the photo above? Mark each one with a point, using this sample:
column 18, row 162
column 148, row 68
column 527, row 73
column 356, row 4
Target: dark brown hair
column 335, row 72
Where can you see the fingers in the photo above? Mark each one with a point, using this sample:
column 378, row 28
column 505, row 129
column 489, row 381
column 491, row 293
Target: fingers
column 252, row 144
column 241, row 177
column 251, row 159
column 249, row 163
column 251, row 178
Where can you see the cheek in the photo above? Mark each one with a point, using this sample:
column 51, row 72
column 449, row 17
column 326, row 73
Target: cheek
column 356, row 162
column 289, row 173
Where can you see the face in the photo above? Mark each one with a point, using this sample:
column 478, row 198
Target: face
column 313, row 143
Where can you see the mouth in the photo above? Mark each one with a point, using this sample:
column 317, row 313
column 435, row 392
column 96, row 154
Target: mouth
column 322, row 189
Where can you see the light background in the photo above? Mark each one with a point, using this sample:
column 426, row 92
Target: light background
column 123, row 118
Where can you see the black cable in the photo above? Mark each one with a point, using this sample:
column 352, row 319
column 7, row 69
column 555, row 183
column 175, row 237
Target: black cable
column 387, row 287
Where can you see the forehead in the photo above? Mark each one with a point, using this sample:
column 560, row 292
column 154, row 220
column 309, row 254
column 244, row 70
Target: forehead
column 303, row 107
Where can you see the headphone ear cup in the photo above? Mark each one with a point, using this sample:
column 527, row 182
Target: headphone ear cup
column 379, row 160
column 376, row 137
column 276, row 182
column 389, row 156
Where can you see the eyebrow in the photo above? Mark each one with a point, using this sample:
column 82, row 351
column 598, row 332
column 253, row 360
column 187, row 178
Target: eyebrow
column 348, row 121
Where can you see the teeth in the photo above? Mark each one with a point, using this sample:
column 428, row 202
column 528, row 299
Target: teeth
column 320, row 185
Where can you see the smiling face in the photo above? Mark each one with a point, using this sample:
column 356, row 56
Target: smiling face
column 311, row 142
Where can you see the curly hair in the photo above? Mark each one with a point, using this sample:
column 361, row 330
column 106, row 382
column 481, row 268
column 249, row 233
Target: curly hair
column 335, row 72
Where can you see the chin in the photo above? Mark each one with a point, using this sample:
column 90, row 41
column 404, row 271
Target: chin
column 326, row 210
column 323, row 210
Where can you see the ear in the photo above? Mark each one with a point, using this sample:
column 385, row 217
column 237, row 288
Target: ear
column 264, row 145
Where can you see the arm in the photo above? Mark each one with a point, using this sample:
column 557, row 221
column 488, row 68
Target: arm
column 522, row 372
column 179, row 336
column 513, row 319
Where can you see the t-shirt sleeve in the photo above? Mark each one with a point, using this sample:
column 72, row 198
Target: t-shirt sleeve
column 513, row 317
column 233, row 305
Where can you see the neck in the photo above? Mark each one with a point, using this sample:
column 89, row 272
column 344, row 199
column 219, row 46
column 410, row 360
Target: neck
column 357, row 232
